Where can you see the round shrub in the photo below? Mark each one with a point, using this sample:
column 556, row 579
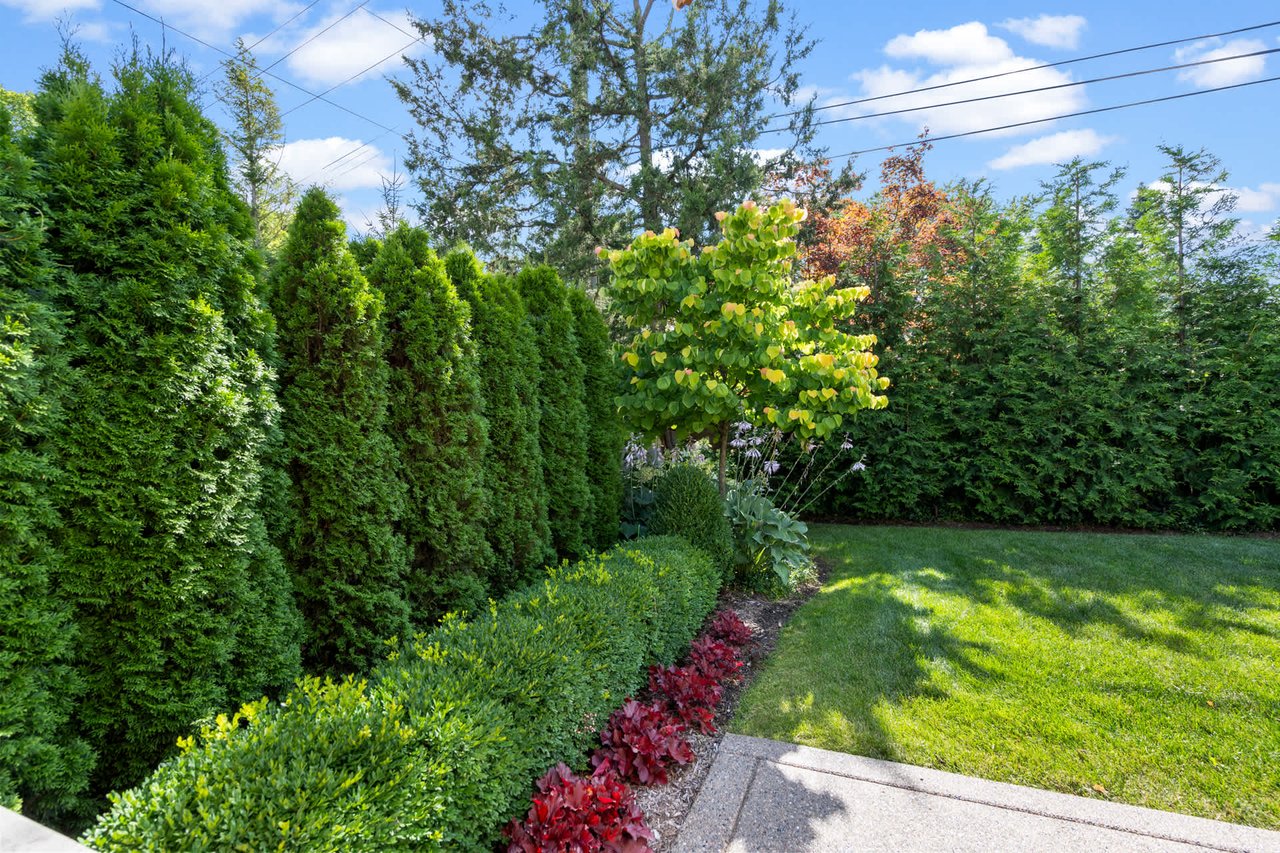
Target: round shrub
column 687, row 503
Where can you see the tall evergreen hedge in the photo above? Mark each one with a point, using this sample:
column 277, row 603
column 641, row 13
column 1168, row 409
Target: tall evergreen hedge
column 563, row 425
column 436, row 424
column 605, row 435
column 347, row 558
column 43, row 766
column 173, row 583
column 507, row 349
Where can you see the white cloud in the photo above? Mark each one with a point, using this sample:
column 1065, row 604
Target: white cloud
column 1261, row 200
column 1054, row 148
column 966, row 44
column 214, row 19
column 1060, row 31
column 1221, row 73
column 306, row 160
column 350, row 47
column 34, row 11
column 963, row 53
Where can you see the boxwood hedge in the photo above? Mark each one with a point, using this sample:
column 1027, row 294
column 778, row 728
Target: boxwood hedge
column 443, row 742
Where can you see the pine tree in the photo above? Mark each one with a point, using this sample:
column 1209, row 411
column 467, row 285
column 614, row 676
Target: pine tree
column 347, row 559
column 436, row 424
column 507, row 349
column 173, row 582
column 43, row 767
column 562, row 428
column 605, row 435
column 256, row 138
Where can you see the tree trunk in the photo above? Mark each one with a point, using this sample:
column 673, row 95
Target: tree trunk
column 724, row 455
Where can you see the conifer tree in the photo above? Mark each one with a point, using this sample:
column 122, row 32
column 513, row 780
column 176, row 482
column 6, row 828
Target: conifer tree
column 563, row 424
column 517, row 527
column 174, row 585
column 605, row 435
column 435, row 421
column 347, row 559
column 43, row 767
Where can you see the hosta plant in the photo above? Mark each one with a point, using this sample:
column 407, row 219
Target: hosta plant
column 640, row 742
column 570, row 813
column 765, row 537
column 691, row 696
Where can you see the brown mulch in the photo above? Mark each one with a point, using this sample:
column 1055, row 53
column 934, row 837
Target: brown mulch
column 665, row 806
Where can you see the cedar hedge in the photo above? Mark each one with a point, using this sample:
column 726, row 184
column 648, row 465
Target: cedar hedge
column 441, row 747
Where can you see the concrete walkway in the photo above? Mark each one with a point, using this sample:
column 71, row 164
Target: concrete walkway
column 762, row 795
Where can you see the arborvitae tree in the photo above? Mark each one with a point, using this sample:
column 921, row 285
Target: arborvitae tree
column 173, row 582
column 436, row 424
column 507, row 349
column 605, row 435
column 42, row 766
column 347, row 558
column 563, row 425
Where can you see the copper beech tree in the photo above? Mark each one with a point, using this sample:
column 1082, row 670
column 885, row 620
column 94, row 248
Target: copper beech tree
column 724, row 335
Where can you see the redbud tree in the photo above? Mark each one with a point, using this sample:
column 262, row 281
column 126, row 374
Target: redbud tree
column 725, row 335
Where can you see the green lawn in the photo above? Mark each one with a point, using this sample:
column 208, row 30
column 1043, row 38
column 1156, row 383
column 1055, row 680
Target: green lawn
column 1146, row 665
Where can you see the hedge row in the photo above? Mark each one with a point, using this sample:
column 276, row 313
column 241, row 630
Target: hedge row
column 444, row 742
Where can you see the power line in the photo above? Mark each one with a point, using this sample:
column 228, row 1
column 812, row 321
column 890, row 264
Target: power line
column 1055, row 118
column 295, row 17
column 1035, row 68
column 352, row 77
column 1069, row 85
column 315, row 36
column 271, row 74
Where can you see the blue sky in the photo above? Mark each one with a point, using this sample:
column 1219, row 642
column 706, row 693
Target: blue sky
column 865, row 50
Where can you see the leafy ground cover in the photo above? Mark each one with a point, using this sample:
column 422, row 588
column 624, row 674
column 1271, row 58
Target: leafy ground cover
column 1137, row 668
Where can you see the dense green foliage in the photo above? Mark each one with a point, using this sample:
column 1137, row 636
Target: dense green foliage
column 41, row 762
column 436, row 425
column 179, row 599
column 1137, row 669
column 443, row 746
column 1056, row 364
column 507, row 350
column 562, row 427
column 605, row 435
column 347, row 557
column 687, row 503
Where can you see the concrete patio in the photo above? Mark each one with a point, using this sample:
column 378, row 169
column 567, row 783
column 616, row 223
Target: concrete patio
column 763, row 795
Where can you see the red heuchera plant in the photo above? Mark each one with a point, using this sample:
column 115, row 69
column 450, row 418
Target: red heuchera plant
column 730, row 629
column 570, row 813
column 689, row 694
column 715, row 660
column 640, row 741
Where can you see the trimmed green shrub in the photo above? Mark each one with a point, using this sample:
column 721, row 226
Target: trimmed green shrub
column 605, row 435
column 436, row 425
column 166, row 563
column 517, row 527
column 563, row 424
column 347, row 558
column 687, row 503
column 42, row 766
column 443, row 747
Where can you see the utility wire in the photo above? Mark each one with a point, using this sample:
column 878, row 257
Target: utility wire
column 295, row 17
column 271, row 74
column 1055, row 118
column 362, row 72
column 1056, row 86
column 1035, row 68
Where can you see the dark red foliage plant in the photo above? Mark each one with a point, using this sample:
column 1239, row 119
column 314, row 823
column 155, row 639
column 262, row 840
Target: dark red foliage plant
column 640, row 742
column 689, row 694
column 571, row 814
column 730, row 629
column 715, row 659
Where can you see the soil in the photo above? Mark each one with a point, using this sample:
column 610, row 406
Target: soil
column 665, row 806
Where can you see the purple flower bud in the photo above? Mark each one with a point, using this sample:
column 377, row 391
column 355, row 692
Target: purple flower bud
column 771, row 467
column 752, row 454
